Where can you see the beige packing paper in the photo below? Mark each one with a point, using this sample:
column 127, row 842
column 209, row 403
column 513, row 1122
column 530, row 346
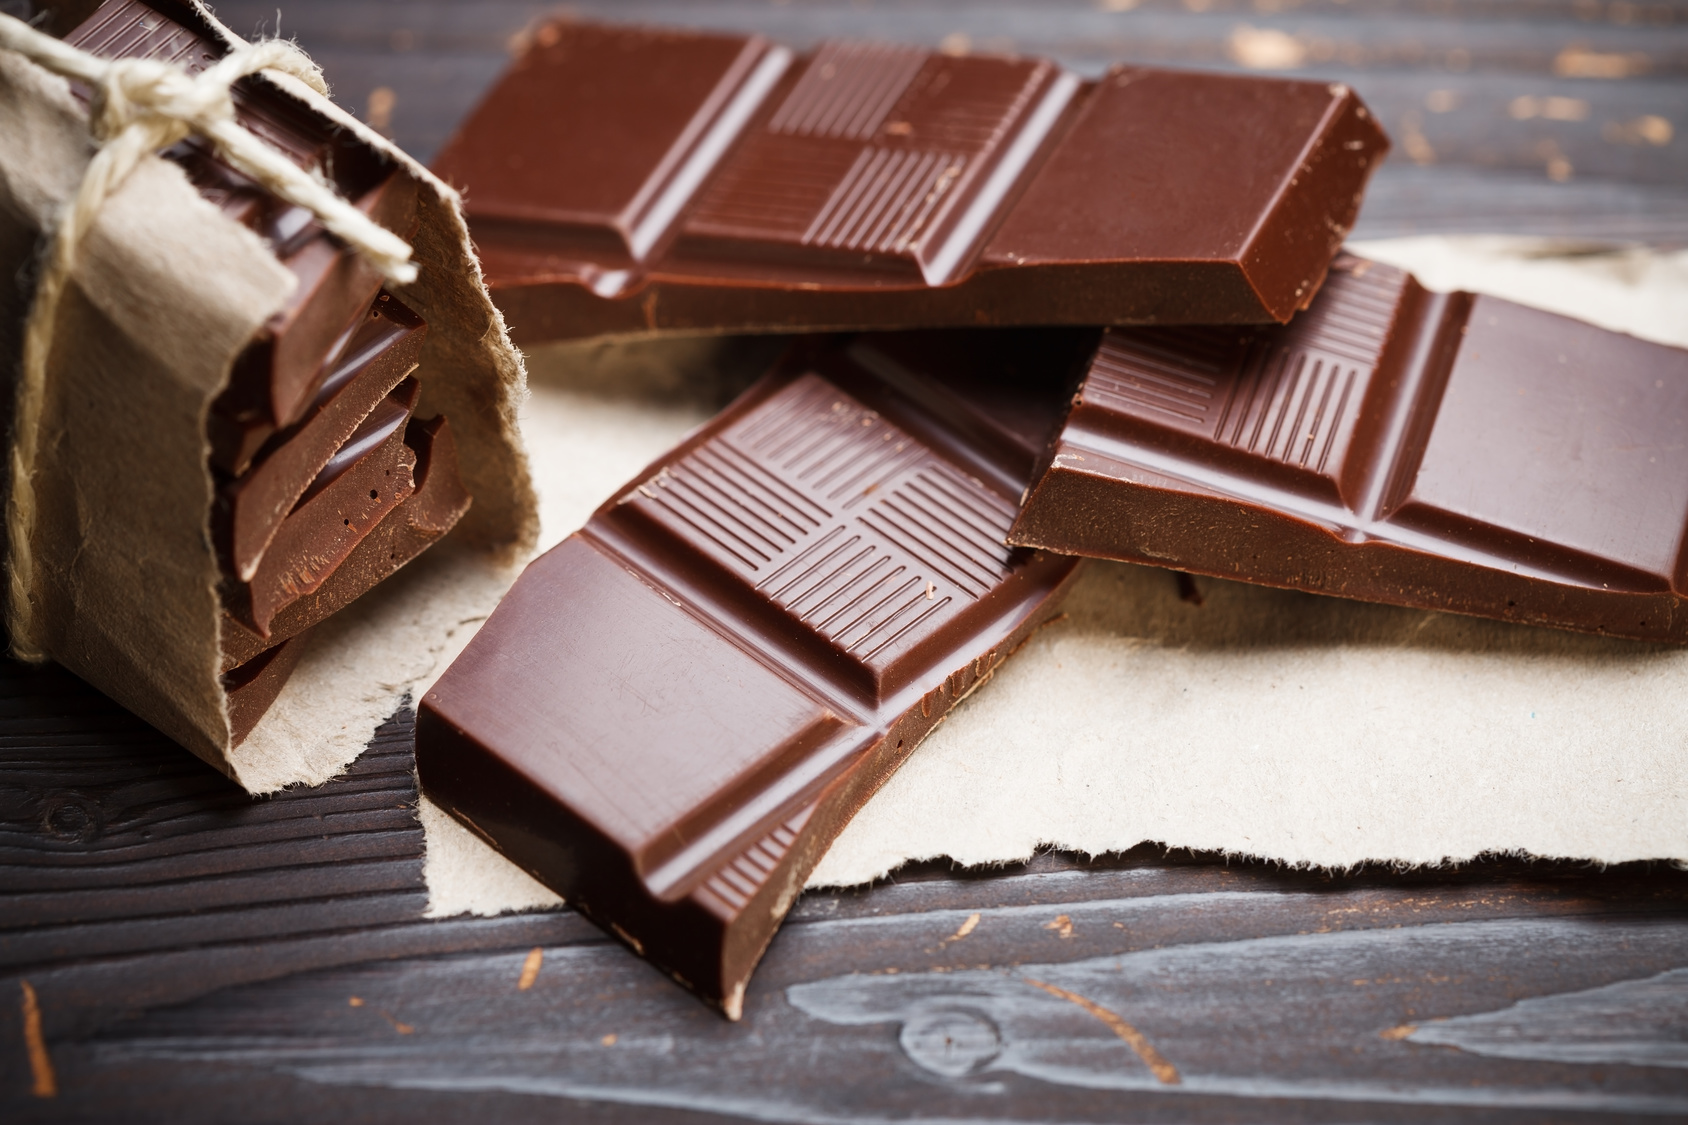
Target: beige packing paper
column 1262, row 722
column 166, row 292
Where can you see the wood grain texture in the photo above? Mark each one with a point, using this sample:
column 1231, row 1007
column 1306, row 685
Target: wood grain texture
column 197, row 955
column 194, row 954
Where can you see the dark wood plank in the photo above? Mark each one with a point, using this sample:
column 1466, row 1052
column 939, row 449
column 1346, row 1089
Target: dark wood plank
column 131, row 874
column 1297, row 996
column 1304, row 989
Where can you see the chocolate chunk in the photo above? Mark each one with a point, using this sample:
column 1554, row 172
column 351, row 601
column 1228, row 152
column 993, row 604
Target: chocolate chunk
column 409, row 529
column 238, row 442
column 254, row 686
column 276, row 379
column 282, row 370
column 378, row 356
column 674, row 712
column 1445, row 451
column 626, row 179
column 364, row 480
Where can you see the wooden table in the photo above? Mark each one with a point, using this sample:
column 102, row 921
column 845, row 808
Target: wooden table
column 173, row 950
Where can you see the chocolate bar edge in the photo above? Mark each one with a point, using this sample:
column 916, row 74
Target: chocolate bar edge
column 1302, row 553
column 554, row 311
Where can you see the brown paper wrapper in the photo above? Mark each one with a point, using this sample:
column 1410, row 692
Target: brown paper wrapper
column 165, row 293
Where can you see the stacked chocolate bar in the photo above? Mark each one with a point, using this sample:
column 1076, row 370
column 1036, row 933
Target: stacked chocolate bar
column 326, row 482
column 674, row 712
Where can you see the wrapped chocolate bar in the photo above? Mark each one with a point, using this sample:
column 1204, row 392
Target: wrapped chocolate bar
column 259, row 373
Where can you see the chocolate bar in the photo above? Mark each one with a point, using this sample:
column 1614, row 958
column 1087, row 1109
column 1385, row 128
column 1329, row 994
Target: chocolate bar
column 672, row 713
column 627, row 179
column 363, row 481
column 410, row 528
column 1443, row 451
column 380, row 353
column 253, row 686
column 276, row 379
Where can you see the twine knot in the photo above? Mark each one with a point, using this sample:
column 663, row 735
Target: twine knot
column 139, row 107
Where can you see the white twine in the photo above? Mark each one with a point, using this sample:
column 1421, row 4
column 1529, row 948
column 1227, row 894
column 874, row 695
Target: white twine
column 139, row 107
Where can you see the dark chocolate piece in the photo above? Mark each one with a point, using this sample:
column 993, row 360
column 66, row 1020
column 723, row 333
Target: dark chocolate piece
column 674, row 712
column 282, row 370
column 276, row 378
column 384, row 349
column 1445, row 451
column 628, row 179
column 365, row 479
column 238, row 442
column 254, row 686
column 416, row 524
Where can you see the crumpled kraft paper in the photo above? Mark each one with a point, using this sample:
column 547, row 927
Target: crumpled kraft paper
column 166, row 292
column 1259, row 722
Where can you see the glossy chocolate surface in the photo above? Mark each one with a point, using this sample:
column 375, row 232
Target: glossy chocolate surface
column 624, row 179
column 276, row 379
column 1445, row 451
column 377, row 357
column 673, row 713
column 416, row 524
column 364, row 480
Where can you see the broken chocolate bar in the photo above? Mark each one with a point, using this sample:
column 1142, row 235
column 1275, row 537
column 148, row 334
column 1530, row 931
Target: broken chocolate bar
column 1444, row 451
column 383, row 350
column 674, row 712
column 440, row 500
column 253, row 686
column 276, row 378
column 627, row 179
column 361, row 483
column 278, row 375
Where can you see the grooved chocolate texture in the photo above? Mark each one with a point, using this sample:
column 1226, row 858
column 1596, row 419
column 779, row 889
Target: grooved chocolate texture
column 673, row 713
column 1444, row 451
column 626, row 179
column 276, row 378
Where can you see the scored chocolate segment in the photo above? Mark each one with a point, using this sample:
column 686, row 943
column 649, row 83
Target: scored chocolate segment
column 691, row 93
column 1446, row 451
column 674, row 712
column 1166, row 166
column 1284, row 405
column 883, row 152
column 835, row 515
column 131, row 29
column 680, row 180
